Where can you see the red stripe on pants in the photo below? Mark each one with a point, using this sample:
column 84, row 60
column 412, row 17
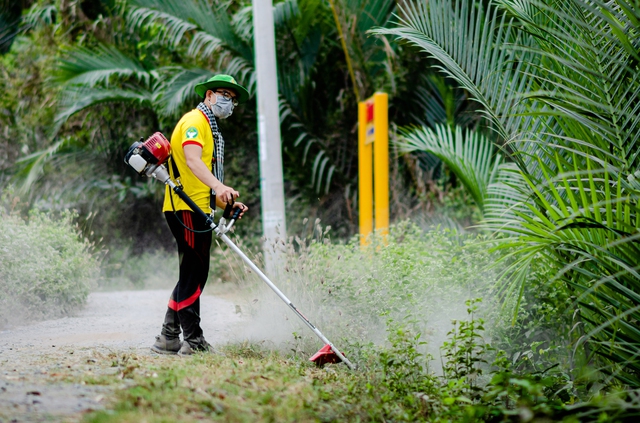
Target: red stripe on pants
column 186, row 303
column 188, row 235
column 186, row 227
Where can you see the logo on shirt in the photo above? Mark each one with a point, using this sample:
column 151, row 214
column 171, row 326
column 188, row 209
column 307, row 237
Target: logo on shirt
column 191, row 133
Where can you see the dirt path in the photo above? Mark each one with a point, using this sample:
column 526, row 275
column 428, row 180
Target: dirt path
column 36, row 361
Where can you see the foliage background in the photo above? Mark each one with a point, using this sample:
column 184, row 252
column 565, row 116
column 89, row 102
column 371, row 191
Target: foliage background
column 517, row 118
column 140, row 84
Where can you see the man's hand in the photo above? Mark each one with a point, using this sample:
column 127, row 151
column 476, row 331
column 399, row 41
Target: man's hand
column 226, row 194
column 241, row 206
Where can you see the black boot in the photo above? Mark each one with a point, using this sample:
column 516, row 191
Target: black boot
column 166, row 346
column 168, row 342
column 195, row 345
column 193, row 337
column 171, row 325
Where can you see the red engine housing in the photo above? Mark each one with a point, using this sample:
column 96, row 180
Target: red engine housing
column 158, row 146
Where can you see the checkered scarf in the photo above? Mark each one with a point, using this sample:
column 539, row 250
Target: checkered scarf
column 218, row 150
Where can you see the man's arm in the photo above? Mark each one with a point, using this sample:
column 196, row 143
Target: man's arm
column 193, row 155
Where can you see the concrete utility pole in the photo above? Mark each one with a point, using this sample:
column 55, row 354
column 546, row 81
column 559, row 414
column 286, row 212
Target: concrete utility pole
column 271, row 180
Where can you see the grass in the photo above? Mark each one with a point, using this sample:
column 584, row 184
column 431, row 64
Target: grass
column 394, row 382
column 246, row 384
column 249, row 384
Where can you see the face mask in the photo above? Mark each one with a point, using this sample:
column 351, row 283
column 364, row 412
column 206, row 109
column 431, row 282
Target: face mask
column 223, row 108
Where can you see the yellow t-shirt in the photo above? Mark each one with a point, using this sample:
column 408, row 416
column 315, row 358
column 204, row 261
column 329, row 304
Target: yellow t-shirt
column 193, row 128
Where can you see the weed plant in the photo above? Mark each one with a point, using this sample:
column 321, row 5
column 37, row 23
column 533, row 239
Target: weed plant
column 350, row 291
column 46, row 267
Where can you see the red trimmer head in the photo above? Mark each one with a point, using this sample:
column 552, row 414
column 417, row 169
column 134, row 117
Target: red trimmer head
column 325, row 355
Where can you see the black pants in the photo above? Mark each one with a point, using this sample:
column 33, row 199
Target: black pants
column 194, row 252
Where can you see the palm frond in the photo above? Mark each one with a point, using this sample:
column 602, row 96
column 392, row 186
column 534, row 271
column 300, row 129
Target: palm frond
column 472, row 45
column 30, row 168
column 242, row 22
column 171, row 26
column 101, row 65
column 587, row 49
column 313, row 17
column 588, row 217
column 441, row 103
column 285, row 11
column 178, row 17
column 40, row 14
column 470, row 155
column 86, row 179
column 370, row 14
column 507, row 196
column 177, row 87
column 76, row 99
column 242, row 70
column 204, row 43
column 559, row 82
column 606, row 280
column 8, row 29
column 364, row 58
column 322, row 168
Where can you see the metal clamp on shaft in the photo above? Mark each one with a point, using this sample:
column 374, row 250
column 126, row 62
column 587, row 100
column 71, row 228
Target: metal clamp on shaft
column 228, row 214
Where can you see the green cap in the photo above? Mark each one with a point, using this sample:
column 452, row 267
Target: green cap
column 223, row 81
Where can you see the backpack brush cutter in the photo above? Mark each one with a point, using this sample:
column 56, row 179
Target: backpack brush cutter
column 148, row 159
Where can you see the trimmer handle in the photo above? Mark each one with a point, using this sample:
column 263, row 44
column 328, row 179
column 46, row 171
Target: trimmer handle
column 227, row 210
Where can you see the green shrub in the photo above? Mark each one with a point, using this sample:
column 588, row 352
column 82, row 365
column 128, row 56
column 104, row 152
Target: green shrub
column 350, row 292
column 46, row 268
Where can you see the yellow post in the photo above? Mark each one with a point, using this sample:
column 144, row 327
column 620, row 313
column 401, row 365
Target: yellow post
column 365, row 176
column 381, row 161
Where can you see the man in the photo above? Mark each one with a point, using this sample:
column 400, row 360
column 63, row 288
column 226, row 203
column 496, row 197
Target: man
column 197, row 153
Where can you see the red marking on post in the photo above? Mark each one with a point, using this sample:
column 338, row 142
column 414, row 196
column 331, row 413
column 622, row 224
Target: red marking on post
column 369, row 111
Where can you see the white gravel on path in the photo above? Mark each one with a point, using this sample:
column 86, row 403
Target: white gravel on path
column 123, row 321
